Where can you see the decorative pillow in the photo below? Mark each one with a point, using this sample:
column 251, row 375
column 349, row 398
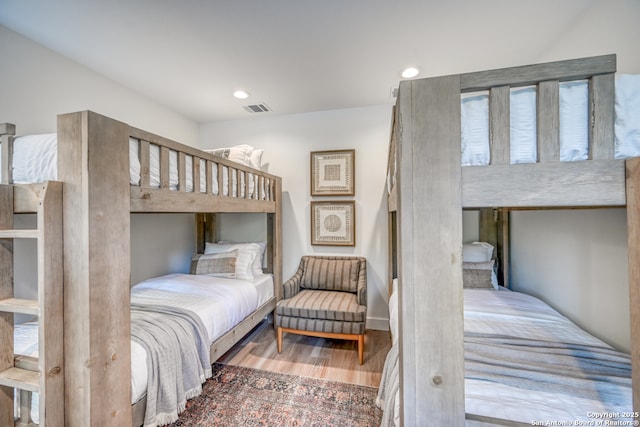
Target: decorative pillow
column 222, row 264
column 477, row 275
column 247, row 253
column 477, row 252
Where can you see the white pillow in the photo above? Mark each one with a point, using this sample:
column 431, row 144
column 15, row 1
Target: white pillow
column 256, row 158
column 476, row 252
column 258, row 261
column 247, row 252
column 243, row 154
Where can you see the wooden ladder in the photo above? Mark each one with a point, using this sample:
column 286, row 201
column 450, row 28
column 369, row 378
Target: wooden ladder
column 43, row 374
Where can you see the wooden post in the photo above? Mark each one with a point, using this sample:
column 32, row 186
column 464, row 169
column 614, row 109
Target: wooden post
column 93, row 163
column 6, row 291
column 7, row 132
column 274, row 241
column 430, row 293
column 633, row 236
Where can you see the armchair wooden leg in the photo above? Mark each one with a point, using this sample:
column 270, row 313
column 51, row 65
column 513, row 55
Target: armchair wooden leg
column 279, row 339
column 361, row 349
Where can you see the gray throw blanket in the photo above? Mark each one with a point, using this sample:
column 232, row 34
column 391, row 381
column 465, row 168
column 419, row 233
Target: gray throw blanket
column 177, row 347
column 588, row 371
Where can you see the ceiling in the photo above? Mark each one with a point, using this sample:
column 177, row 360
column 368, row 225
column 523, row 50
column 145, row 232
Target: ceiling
column 294, row 55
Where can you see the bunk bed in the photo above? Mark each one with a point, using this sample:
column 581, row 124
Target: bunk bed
column 431, row 179
column 107, row 170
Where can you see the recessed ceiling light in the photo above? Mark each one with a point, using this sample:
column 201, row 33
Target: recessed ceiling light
column 240, row 94
column 410, row 72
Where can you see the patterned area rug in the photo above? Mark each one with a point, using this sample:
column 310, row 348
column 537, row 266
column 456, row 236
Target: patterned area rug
column 237, row 396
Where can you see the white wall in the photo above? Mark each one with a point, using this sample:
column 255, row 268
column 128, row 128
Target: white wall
column 576, row 261
column 287, row 141
column 37, row 84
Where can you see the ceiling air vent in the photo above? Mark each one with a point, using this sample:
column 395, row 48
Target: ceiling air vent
column 257, row 108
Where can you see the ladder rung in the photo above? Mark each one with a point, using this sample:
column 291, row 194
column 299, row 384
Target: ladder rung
column 19, row 234
column 28, row 363
column 23, row 306
column 21, row 379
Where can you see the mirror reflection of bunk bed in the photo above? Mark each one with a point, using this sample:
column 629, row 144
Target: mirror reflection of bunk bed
column 107, row 170
column 440, row 165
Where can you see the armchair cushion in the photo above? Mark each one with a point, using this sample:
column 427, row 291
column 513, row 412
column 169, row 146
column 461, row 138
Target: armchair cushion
column 324, row 305
column 328, row 273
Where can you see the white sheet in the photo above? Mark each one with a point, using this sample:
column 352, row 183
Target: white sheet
column 514, row 313
column 221, row 304
column 517, row 314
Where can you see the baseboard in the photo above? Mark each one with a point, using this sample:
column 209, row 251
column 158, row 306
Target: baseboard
column 378, row 323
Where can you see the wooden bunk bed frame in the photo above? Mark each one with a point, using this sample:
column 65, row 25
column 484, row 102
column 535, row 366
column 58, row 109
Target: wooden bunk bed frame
column 97, row 199
column 430, row 190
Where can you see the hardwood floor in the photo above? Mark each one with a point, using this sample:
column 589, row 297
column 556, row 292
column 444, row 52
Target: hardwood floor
column 335, row 360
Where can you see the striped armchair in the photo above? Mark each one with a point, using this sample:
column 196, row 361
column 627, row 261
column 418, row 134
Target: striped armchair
column 327, row 297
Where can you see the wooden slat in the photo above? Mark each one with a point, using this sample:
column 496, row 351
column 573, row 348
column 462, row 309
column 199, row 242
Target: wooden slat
column 6, row 291
column 499, row 123
column 165, row 180
column 592, row 183
column 548, row 114
column 26, row 362
column 145, row 168
column 21, row 379
column 22, row 306
column 601, row 114
column 430, row 293
column 19, row 234
column 574, row 69
column 210, row 176
column 196, row 174
column 633, row 241
column 182, row 172
column 220, row 179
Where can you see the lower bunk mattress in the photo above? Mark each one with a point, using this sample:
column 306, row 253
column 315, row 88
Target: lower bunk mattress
column 527, row 363
column 219, row 304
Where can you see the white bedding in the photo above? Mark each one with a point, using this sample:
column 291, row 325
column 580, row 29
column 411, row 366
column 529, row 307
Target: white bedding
column 574, row 122
column 35, row 160
column 221, row 304
column 513, row 314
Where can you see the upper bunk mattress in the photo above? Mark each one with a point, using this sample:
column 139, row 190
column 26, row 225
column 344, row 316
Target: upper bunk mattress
column 574, row 122
column 35, row 159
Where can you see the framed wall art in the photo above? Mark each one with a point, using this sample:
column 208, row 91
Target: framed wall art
column 333, row 223
column 332, row 173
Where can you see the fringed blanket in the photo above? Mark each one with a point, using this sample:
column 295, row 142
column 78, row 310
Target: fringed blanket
column 177, row 358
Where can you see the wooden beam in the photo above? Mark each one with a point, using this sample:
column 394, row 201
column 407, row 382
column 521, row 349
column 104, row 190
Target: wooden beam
column 633, row 236
column 93, row 163
column 586, row 183
column 430, row 293
column 6, row 291
column 574, row 69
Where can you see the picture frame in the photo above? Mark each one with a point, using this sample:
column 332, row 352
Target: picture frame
column 333, row 223
column 333, row 173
